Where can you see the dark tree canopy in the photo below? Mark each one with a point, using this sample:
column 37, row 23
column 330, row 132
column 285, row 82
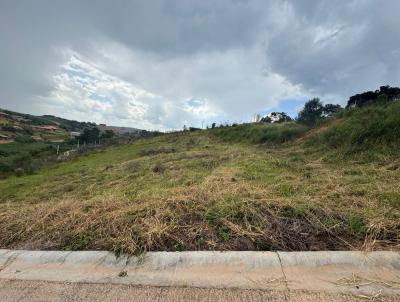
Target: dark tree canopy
column 90, row 135
column 108, row 134
column 330, row 109
column 369, row 97
column 312, row 111
column 276, row 117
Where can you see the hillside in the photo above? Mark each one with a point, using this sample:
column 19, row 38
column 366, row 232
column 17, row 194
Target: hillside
column 334, row 186
column 29, row 142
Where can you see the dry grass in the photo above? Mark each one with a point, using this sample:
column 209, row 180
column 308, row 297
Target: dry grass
column 193, row 192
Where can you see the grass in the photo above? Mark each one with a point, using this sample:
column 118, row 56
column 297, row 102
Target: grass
column 371, row 131
column 274, row 134
column 250, row 187
column 27, row 155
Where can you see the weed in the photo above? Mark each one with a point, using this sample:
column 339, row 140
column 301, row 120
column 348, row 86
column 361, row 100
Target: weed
column 123, row 274
column 78, row 242
column 158, row 168
column 223, row 232
column 180, row 246
column 286, row 190
column 391, row 199
column 357, row 226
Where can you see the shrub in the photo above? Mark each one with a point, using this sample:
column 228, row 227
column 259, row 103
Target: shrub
column 4, row 167
column 23, row 139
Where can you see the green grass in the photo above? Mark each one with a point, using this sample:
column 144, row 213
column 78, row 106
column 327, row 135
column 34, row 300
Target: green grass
column 250, row 187
column 26, row 155
column 271, row 134
column 370, row 131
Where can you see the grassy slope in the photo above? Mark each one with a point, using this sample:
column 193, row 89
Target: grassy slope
column 210, row 190
column 20, row 150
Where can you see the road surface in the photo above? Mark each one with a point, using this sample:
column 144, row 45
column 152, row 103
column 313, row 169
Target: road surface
column 35, row 291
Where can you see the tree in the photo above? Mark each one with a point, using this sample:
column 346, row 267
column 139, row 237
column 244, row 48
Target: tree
column 369, row 97
column 312, row 112
column 107, row 134
column 90, row 135
column 330, row 110
column 276, row 117
column 213, row 125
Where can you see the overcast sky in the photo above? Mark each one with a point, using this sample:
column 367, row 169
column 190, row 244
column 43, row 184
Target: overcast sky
column 160, row 64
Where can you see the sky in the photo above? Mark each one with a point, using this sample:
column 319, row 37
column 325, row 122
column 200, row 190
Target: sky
column 162, row 64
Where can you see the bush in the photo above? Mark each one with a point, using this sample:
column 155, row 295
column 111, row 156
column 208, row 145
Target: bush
column 23, row 139
column 4, row 167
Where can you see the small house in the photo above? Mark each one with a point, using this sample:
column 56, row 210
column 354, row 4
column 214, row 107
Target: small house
column 48, row 128
column 74, row 134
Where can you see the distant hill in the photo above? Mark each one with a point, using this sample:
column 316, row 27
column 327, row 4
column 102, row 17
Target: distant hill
column 15, row 126
column 29, row 142
column 119, row 130
column 21, row 127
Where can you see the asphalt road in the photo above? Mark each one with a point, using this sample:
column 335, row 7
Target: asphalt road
column 35, row 291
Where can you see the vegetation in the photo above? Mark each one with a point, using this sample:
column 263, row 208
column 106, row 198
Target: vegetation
column 327, row 181
column 28, row 142
column 276, row 117
column 261, row 133
column 372, row 131
column 383, row 94
column 281, row 186
column 314, row 111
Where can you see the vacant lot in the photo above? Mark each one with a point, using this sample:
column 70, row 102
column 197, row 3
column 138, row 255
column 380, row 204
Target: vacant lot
column 200, row 191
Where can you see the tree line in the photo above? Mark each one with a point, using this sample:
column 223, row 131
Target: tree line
column 314, row 110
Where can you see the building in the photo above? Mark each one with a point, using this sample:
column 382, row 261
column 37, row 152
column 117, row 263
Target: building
column 48, row 128
column 74, row 134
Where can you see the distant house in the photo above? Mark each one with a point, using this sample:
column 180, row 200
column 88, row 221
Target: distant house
column 2, row 136
column 3, row 114
column 74, row 134
column 48, row 128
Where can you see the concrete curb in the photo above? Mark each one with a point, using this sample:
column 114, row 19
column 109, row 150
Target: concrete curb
column 345, row 272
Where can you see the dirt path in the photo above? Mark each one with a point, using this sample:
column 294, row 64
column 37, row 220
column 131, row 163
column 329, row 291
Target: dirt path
column 35, row 291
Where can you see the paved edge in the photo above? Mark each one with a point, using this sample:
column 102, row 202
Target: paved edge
column 373, row 273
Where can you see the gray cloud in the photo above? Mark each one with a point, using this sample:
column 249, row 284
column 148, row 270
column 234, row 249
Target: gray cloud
column 337, row 47
column 143, row 61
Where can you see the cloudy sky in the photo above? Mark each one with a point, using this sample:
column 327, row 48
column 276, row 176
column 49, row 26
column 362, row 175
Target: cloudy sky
column 160, row 64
